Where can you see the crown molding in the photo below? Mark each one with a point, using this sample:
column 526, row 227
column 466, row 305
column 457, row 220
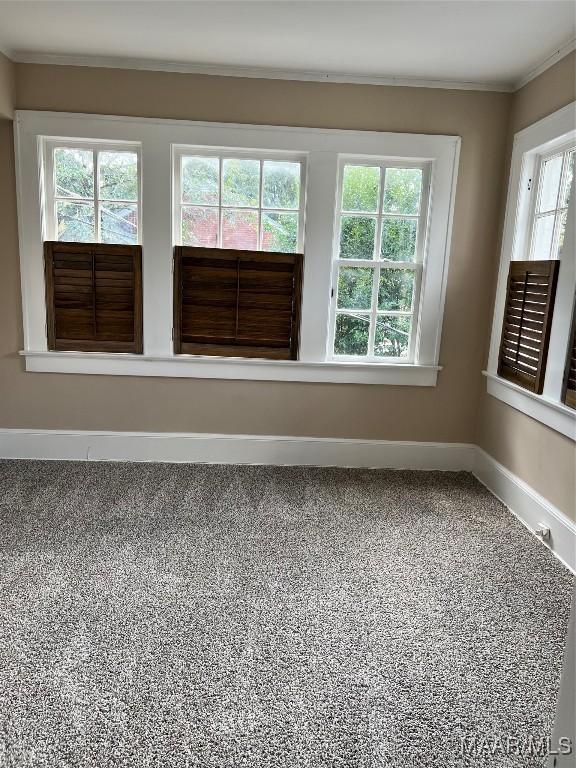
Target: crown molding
column 262, row 73
column 548, row 62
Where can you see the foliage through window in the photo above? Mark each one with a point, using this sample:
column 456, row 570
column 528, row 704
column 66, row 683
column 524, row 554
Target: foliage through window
column 554, row 184
column 239, row 202
column 93, row 194
column 378, row 261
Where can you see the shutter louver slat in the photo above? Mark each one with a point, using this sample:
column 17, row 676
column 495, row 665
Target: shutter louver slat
column 527, row 322
column 93, row 297
column 236, row 303
column 570, row 375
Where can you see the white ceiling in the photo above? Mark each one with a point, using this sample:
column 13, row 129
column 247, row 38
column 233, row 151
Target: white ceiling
column 478, row 42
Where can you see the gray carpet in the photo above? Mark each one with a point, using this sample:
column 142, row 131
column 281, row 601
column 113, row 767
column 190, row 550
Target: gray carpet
column 182, row 616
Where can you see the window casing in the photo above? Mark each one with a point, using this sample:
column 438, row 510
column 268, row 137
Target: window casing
column 379, row 252
column 551, row 140
column 92, row 191
column 319, row 152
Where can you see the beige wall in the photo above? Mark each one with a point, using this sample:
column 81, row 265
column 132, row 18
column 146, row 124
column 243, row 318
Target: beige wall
column 542, row 457
column 445, row 413
column 7, row 88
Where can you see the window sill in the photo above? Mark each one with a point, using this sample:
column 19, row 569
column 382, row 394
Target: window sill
column 200, row 367
column 555, row 415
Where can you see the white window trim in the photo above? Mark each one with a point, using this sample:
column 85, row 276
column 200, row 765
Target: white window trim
column 157, row 140
column 530, row 144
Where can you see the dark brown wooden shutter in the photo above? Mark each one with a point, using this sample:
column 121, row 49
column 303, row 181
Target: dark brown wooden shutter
column 527, row 321
column 570, row 375
column 236, row 303
column 93, row 297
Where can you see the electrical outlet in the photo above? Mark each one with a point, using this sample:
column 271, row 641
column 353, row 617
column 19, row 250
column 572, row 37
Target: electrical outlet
column 542, row 531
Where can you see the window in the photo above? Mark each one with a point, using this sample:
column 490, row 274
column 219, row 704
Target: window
column 553, row 183
column 92, row 193
column 269, row 190
column 239, row 202
column 531, row 331
column 378, row 259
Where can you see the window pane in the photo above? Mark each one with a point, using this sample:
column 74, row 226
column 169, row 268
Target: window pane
column 119, row 223
column 568, row 181
column 240, row 229
column 360, row 188
column 118, row 175
column 351, row 336
column 561, row 232
column 200, row 227
column 74, row 172
column 200, row 182
column 355, row 287
column 281, row 185
column 550, row 184
column 280, row 232
column 357, row 237
column 543, row 231
column 241, row 182
column 396, row 289
column 402, row 190
column 392, row 337
column 399, row 239
column 75, row 222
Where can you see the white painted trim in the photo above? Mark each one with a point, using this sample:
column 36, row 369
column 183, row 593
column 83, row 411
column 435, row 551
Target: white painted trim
column 532, row 509
column 262, row 73
column 206, row 367
column 232, row 449
column 554, row 414
column 548, row 62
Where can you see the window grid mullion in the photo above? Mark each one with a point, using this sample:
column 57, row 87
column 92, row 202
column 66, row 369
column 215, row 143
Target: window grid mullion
column 558, row 212
column 261, row 203
column 221, row 210
column 378, row 236
column 373, row 310
column 96, row 185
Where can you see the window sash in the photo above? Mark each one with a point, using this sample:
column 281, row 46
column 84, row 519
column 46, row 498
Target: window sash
column 377, row 262
column 535, row 215
column 51, row 199
column 262, row 156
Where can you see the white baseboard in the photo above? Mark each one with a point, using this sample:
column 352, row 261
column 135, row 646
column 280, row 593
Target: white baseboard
column 232, row 449
column 523, row 501
column 532, row 509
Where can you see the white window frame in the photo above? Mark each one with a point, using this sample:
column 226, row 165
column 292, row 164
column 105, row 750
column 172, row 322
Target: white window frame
column 563, row 149
column 531, row 145
column 234, row 154
column 378, row 263
column 47, row 147
column 159, row 140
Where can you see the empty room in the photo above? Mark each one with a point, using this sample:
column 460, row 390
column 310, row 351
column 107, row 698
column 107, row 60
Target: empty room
column 287, row 384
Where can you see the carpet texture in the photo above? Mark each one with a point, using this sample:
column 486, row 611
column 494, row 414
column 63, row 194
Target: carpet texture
column 193, row 616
